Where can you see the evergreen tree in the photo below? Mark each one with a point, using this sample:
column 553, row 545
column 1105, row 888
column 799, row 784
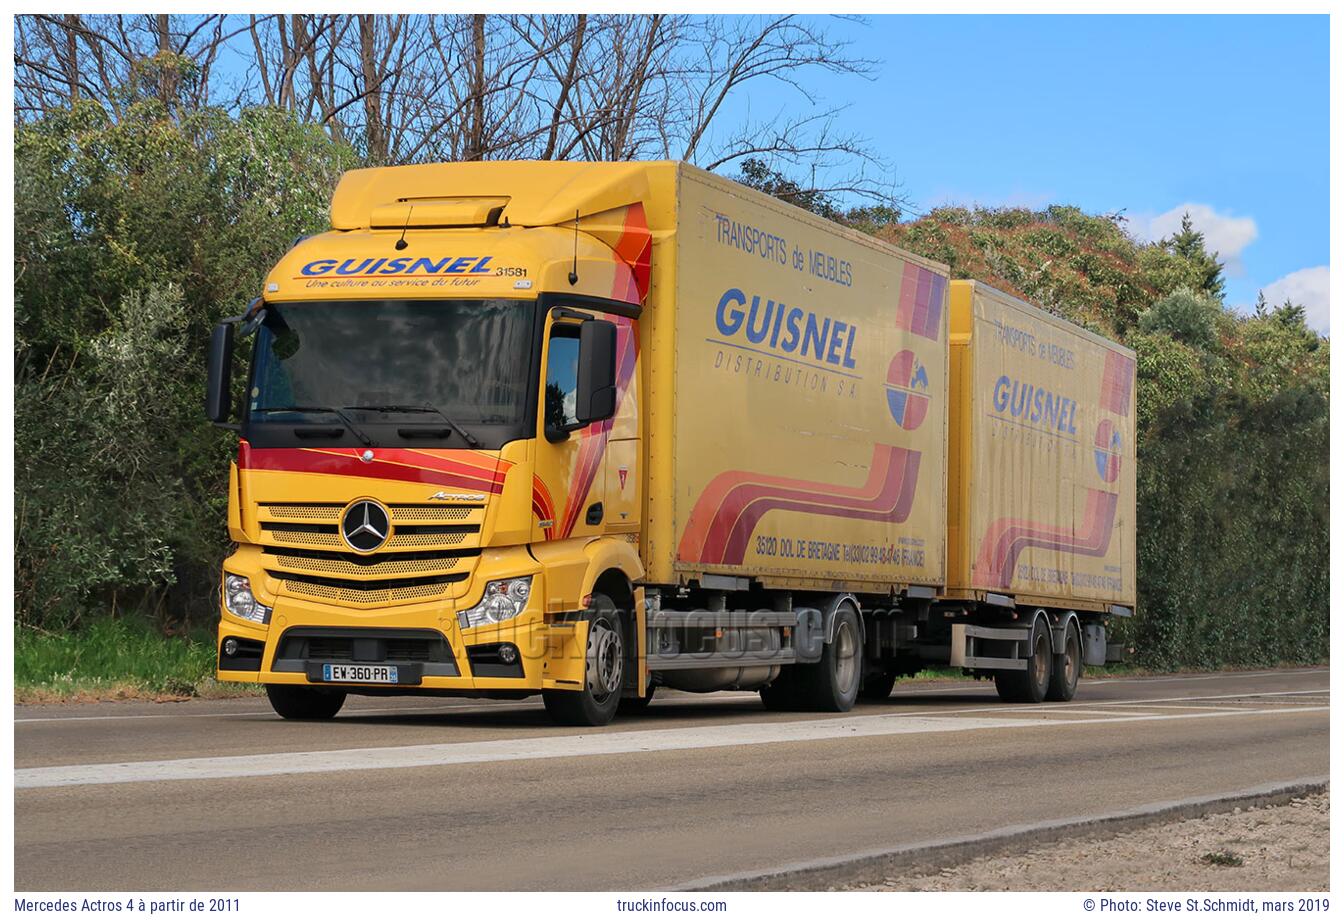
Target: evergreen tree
column 1189, row 245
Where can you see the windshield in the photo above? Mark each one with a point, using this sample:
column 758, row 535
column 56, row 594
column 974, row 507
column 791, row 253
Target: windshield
column 435, row 363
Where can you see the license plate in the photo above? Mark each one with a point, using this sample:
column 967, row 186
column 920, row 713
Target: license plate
column 360, row 673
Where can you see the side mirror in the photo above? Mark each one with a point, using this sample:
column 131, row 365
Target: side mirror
column 595, row 399
column 219, row 375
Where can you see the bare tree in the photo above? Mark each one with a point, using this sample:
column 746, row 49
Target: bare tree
column 111, row 59
column 462, row 87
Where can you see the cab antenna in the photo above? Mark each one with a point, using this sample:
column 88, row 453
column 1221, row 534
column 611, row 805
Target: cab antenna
column 574, row 272
column 401, row 243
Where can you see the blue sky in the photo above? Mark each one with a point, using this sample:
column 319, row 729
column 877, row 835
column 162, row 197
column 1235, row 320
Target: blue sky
column 1228, row 116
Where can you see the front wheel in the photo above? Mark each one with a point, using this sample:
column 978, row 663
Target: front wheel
column 832, row 684
column 597, row 702
column 308, row 703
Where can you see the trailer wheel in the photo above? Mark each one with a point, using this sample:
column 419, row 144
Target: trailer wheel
column 307, row 703
column 597, row 702
column 1067, row 668
column 1028, row 686
column 832, row 684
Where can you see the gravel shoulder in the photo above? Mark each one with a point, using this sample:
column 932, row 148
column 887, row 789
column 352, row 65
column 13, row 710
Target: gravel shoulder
column 1276, row 848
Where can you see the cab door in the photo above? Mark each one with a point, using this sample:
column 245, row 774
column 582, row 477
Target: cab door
column 568, row 489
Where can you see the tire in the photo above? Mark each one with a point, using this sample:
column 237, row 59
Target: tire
column 832, row 684
column 306, row 703
column 878, row 686
column 1067, row 668
column 597, row 702
column 634, row 705
column 1028, row 686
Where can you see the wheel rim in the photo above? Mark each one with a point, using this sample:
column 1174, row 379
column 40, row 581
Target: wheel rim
column 1040, row 663
column 846, row 657
column 1071, row 660
column 605, row 660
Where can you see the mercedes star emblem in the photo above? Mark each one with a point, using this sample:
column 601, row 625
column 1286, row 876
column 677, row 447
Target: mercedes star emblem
column 365, row 526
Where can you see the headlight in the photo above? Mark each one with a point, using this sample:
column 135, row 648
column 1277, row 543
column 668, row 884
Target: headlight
column 503, row 600
column 238, row 600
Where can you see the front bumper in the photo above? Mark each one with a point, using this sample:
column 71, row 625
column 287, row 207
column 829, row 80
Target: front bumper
column 425, row 640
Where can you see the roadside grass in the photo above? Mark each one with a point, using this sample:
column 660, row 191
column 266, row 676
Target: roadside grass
column 116, row 658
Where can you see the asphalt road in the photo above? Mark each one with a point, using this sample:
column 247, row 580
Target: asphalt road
column 466, row 795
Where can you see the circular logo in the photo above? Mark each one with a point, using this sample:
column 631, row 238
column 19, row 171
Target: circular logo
column 907, row 390
column 1106, row 450
column 365, row 526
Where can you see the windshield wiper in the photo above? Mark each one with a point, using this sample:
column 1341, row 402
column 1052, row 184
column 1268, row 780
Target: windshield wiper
column 354, row 429
column 465, row 435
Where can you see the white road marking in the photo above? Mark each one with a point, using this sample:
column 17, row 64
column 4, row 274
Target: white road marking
column 471, row 706
column 607, row 743
column 1072, row 711
column 1104, row 681
column 1215, row 696
column 1181, row 706
column 466, row 706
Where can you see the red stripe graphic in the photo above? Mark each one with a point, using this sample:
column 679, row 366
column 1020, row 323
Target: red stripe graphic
column 542, row 506
column 635, row 247
column 455, row 468
column 920, row 305
column 593, row 439
column 1117, row 382
column 726, row 515
column 1008, row 537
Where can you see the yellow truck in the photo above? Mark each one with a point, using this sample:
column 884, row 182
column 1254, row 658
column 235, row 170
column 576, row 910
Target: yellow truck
column 591, row 429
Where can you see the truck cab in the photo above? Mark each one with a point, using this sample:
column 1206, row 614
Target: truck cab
column 439, row 447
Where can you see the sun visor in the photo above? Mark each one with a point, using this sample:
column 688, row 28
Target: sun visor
column 438, row 212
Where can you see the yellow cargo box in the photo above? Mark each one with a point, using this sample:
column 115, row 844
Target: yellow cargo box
column 798, row 377
column 1041, row 487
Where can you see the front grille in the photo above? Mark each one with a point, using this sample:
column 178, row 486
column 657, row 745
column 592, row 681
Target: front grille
column 382, row 591
column 342, row 567
column 400, row 539
column 331, row 511
column 314, row 512
column 405, row 536
column 308, row 538
column 430, row 512
column 374, row 564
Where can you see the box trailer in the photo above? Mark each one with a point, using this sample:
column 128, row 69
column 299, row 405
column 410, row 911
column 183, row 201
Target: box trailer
column 1041, row 466
column 804, row 373
column 591, row 429
column 1041, row 494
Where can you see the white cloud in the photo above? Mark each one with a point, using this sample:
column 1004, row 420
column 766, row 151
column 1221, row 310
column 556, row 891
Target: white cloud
column 1223, row 233
column 1309, row 287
